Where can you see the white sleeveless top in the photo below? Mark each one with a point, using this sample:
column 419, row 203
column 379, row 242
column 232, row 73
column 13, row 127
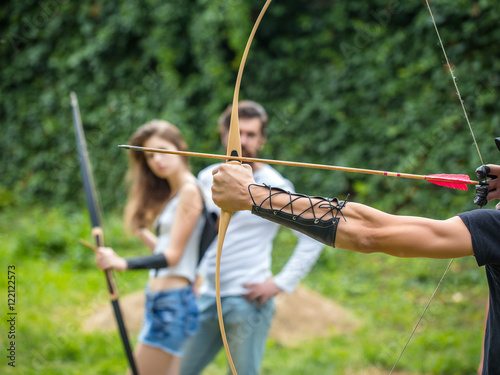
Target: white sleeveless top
column 189, row 260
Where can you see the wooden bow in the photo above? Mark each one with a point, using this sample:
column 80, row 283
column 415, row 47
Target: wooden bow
column 95, row 217
column 233, row 149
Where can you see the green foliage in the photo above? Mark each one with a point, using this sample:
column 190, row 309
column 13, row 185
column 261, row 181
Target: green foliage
column 56, row 239
column 57, row 287
column 360, row 84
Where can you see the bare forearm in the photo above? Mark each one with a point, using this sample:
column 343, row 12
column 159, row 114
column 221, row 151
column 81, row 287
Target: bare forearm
column 369, row 230
column 147, row 237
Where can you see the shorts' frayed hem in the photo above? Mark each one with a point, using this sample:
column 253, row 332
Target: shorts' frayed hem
column 166, row 350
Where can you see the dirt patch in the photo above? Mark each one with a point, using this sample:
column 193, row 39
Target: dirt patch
column 103, row 318
column 299, row 316
column 305, row 315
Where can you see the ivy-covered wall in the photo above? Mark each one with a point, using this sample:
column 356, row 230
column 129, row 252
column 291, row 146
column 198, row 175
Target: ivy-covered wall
column 351, row 83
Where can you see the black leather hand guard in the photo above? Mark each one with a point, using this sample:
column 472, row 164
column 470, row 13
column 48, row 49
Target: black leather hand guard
column 318, row 228
column 147, row 262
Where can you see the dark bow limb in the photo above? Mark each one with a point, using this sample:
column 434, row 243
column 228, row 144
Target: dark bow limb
column 97, row 233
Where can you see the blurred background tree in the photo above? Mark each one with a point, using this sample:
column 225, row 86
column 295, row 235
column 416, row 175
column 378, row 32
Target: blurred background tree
column 359, row 84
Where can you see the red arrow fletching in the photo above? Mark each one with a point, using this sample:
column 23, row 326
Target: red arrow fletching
column 453, row 181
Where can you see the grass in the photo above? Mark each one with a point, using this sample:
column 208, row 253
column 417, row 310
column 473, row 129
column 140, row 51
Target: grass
column 57, row 287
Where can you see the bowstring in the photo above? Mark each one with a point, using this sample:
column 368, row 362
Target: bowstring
column 454, row 79
column 422, row 315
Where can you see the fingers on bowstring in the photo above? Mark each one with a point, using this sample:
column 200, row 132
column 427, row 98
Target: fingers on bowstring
column 491, row 171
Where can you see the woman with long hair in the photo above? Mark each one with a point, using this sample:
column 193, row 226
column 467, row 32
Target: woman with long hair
column 163, row 196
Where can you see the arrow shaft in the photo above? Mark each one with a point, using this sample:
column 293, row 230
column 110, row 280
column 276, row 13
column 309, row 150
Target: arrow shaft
column 298, row 164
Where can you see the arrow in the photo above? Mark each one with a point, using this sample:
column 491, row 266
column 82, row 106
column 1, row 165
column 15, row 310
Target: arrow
column 454, row 181
column 87, row 244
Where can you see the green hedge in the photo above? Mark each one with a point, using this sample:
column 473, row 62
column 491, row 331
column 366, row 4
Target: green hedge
column 359, row 84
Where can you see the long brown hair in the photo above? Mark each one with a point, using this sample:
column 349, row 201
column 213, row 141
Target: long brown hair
column 148, row 194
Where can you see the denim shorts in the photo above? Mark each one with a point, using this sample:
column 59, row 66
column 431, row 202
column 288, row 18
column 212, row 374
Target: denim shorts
column 170, row 317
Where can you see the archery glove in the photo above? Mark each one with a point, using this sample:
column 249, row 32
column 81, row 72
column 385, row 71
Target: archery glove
column 482, row 189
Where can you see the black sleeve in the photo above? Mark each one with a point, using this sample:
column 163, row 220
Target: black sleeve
column 484, row 228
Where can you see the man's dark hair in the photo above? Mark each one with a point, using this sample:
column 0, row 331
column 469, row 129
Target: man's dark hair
column 247, row 109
